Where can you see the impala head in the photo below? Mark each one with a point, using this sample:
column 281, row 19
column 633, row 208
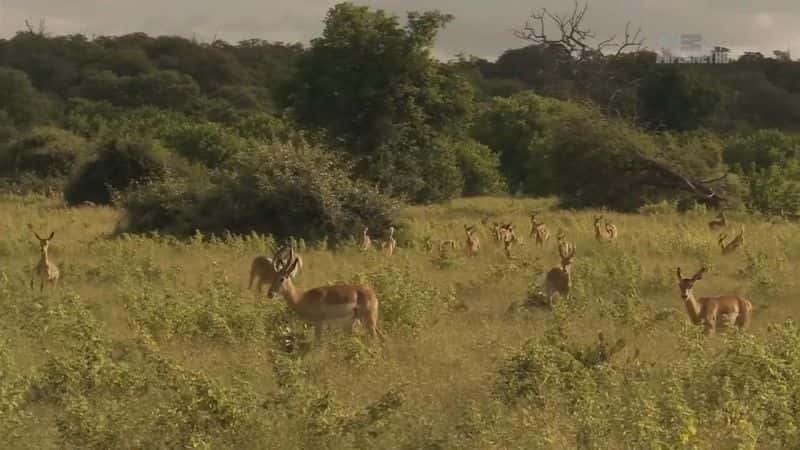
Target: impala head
column 44, row 243
column 722, row 238
column 597, row 220
column 469, row 229
column 283, row 268
column 686, row 284
column 366, row 229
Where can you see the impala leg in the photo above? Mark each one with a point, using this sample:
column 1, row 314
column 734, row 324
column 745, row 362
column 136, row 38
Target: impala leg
column 41, row 284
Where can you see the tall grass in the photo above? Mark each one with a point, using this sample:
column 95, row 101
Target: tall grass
column 151, row 342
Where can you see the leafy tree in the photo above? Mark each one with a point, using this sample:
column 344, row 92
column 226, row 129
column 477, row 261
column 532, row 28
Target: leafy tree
column 761, row 149
column 375, row 88
column 19, row 100
column 676, row 99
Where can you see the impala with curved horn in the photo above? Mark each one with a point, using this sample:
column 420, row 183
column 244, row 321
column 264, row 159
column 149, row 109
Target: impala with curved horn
column 262, row 268
column 326, row 305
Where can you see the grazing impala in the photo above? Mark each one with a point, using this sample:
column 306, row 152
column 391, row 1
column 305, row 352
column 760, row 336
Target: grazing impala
column 263, row 270
column 45, row 269
column 327, row 305
column 473, row 243
column 719, row 222
column 559, row 279
column 706, row 309
column 733, row 244
column 539, row 231
column 366, row 242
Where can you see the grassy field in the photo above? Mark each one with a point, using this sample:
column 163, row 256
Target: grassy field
column 150, row 342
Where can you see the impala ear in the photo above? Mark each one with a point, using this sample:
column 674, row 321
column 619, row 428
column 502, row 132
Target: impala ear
column 292, row 267
column 51, row 235
column 680, row 277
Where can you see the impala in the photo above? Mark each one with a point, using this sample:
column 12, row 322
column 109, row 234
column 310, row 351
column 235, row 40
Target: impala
column 390, row 244
column 45, row 269
column 604, row 233
column 263, row 269
column 706, row 309
column 559, row 279
column 733, row 244
column 539, row 231
column 509, row 238
column 366, row 242
column 719, row 222
column 473, row 242
column 327, row 305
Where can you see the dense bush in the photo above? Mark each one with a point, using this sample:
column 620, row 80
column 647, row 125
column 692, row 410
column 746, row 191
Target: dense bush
column 480, row 167
column 207, row 143
column 761, row 149
column 119, row 163
column 45, row 152
column 278, row 189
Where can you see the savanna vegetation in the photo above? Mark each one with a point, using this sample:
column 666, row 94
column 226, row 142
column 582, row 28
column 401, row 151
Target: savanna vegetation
column 164, row 165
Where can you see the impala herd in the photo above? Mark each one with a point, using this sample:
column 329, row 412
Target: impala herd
column 345, row 303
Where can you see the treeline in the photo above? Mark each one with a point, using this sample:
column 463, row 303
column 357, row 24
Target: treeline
column 319, row 141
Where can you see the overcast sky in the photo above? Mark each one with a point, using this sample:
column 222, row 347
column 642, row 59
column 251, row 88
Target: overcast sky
column 481, row 27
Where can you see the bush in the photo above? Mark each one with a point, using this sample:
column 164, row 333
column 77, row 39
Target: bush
column 480, row 167
column 275, row 189
column 45, row 152
column 120, row 162
column 207, row 143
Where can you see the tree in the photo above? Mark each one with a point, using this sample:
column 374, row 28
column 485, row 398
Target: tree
column 23, row 104
column 374, row 87
column 676, row 99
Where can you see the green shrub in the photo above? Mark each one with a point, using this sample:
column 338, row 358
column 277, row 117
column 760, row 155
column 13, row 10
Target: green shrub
column 45, row 152
column 119, row 163
column 283, row 190
column 480, row 167
column 206, row 143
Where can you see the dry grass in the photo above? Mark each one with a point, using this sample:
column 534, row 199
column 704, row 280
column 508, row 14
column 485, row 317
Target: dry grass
column 445, row 369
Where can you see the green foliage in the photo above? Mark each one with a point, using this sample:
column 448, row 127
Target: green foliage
column 677, row 99
column 45, row 152
column 776, row 189
column 207, row 143
column 20, row 103
column 120, row 162
column 276, row 189
column 761, row 149
column 375, row 88
column 480, row 167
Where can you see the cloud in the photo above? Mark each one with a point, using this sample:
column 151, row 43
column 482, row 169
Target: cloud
column 481, row 28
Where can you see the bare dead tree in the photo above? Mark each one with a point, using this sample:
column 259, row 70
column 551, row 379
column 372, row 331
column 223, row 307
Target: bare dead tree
column 573, row 36
column 39, row 31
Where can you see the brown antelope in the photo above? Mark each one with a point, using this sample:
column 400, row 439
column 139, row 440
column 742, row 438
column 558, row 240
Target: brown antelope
column 389, row 245
column 366, row 242
column 539, row 231
column 559, row 279
column 719, row 222
column 733, row 244
column 473, row 242
column 705, row 310
column 497, row 232
column 343, row 303
column 606, row 233
column 45, row 269
column 509, row 238
column 263, row 270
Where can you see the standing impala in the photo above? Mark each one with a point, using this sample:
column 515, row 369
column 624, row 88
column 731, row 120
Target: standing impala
column 473, row 242
column 366, row 242
column 706, row 309
column 733, row 244
column 45, row 269
column 539, row 231
column 390, row 244
column 343, row 303
column 559, row 279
